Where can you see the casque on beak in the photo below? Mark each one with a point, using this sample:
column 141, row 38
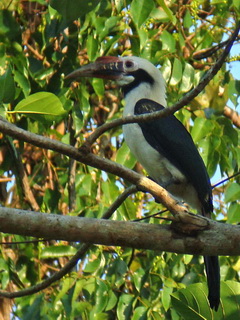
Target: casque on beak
column 104, row 67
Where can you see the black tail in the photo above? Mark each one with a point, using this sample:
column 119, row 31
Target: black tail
column 213, row 280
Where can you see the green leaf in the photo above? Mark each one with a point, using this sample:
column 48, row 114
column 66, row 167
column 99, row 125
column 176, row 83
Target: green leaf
column 168, row 42
column 187, row 20
column 128, row 209
column 109, row 25
column 139, row 278
column 34, row 310
column 187, row 78
column 57, row 252
column 98, row 86
column 73, row 9
column 184, row 310
column 22, row 81
column 110, row 192
column 140, row 313
column 140, row 11
column 166, row 69
column 101, row 297
column 9, row 28
column 92, row 47
column 233, row 192
column 125, row 157
column 7, row 87
column 166, row 297
column 124, row 308
column 236, row 4
column 66, row 284
column 42, row 103
column 143, row 37
column 176, row 72
column 94, row 263
column 230, row 293
column 201, row 129
column 205, row 144
column 189, row 301
column 233, row 213
column 192, row 303
column 169, row 13
column 112, row 300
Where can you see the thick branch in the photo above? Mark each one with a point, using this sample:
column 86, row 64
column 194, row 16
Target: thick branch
column 74, row 260
column 218, row 239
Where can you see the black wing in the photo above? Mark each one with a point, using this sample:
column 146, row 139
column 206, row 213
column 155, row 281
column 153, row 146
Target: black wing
column 170, row 138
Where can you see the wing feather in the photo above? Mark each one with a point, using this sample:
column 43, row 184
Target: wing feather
column 171, row 139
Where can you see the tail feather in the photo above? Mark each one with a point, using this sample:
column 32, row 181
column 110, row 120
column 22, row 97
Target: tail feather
column 213, row 280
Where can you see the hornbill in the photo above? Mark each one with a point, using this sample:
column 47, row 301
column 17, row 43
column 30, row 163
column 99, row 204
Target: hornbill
column 163, row 146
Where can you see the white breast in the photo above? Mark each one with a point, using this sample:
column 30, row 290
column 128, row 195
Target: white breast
column 157, row 166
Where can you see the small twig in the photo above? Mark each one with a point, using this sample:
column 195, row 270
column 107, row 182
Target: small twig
column 205, row 53
column 152, row 216
column 225, row 180
column 116, row 204
column 22, row 177
column 177, row 106
column 72, row 168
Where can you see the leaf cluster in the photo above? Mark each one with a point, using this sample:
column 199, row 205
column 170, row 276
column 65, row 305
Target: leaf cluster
column 40, row 43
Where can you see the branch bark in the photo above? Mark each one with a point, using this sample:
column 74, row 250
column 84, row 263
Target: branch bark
column 216, row 239
column 232, row 115
column 74, row 260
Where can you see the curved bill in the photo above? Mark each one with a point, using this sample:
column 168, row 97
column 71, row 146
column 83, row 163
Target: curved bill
column 104, row 67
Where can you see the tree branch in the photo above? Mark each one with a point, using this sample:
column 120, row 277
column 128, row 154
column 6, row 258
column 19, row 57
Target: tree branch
column 85, row 156
column 232, row 115
column 143, row 236
column 215, row 239
column 177, row 106
column 74, row 260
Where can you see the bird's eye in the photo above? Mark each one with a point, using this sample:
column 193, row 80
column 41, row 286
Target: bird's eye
column 129, row 64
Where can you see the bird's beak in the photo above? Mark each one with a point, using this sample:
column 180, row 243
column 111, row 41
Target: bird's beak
column 104, row 67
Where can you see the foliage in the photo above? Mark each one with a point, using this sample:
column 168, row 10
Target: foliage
column 40, row 43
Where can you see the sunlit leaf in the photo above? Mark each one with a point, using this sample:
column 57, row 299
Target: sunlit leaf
column 168, row 42
column 201, row 128
column 140, row 313
column 187, row 78
column 233, row 192
column 101, row 297
column 140, row 10
column 125, row 157
column 176, row 72
column 233, row 213
column 124, row 308
column 57, row 251
column 169, row 13
column 42, row 103
column 186, row 302
column 7, row 87
column 92, row 45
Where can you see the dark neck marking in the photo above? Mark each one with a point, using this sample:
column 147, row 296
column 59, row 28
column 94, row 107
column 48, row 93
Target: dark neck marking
column 140, row 76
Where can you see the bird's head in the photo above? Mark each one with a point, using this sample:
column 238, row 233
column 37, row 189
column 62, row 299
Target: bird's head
column 128, row 72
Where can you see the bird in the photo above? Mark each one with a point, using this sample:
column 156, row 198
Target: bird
column 163, row 146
